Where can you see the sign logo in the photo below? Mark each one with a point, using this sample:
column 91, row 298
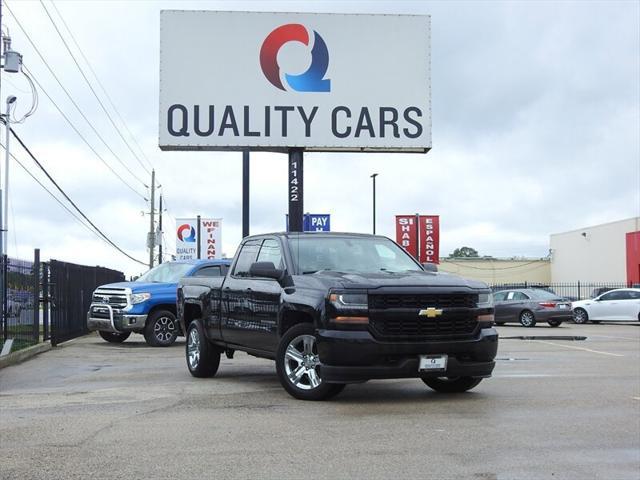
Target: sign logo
column 430, row 312
column 310, row 81
column 181, row 233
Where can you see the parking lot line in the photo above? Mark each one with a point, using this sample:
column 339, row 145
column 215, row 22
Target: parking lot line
column 581, row 348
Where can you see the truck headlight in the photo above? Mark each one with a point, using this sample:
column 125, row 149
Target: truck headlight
column 349, row 300
column 349, row 308
column 140, row 297
column 485, row 300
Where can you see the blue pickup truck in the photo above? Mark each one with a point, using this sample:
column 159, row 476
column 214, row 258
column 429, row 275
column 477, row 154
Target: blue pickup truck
column 148, row 304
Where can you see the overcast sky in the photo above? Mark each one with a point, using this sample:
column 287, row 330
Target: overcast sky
column 536, row 130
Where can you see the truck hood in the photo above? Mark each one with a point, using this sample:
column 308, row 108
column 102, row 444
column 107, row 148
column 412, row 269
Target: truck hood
column 331, row 279
column 137, row 287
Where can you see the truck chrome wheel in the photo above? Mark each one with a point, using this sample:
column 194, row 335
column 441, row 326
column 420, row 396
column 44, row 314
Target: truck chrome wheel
column 301, row 360
column 161, row 328
column 193, row 349
column 164, row 329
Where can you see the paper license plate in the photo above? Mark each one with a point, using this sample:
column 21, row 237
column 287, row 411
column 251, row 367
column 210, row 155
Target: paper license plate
column 433, row 363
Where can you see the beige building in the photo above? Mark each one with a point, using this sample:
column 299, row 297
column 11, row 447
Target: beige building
column 601, row 253
column 499, row 271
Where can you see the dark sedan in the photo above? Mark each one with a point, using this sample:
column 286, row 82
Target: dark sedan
column 530, row 305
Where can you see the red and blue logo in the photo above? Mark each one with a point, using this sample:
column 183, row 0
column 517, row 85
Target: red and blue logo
column 310, row 81
column 191, row 237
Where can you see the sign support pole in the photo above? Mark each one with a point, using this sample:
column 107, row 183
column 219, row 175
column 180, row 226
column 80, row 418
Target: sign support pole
column 296, row 207
column 245, row 193
column 418, row 237
column 198, row 242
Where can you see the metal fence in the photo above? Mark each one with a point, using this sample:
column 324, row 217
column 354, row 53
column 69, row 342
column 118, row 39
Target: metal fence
column 68, row 296
column 571, row 291
column 21, row 319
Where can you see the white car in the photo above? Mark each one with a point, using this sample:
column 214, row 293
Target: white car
column 618, row 305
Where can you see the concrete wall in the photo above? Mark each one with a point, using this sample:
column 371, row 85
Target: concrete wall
column 492, row 270
column 592, row 254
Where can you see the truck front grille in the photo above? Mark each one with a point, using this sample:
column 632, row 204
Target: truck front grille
column 396, row 316
column 423, row 300
column 114, row 297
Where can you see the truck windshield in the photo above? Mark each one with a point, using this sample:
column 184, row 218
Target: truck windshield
column 166, row 273
column 349, row 254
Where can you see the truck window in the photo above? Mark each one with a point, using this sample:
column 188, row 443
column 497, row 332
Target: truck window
column 246, row 257
column 212, row 271
column 270, row 252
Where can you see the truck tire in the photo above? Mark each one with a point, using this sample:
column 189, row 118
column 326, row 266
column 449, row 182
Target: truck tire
column 296, row 362
column 451, row 385
column 203, row 358
column 162, row 329
column 113, row 337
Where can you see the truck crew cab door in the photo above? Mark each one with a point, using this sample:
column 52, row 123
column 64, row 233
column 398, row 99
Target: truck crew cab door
column 266, row 298
column 237, row 312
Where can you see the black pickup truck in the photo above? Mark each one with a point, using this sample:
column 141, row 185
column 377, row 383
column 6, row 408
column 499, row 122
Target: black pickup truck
column 333, row 309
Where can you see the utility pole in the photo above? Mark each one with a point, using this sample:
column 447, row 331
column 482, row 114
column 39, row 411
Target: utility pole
column 152, row 231
column 160, row 232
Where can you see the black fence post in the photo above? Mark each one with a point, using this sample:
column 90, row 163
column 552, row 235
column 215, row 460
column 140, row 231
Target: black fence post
column 579, row 297
column 36, row 295
column 45, row 301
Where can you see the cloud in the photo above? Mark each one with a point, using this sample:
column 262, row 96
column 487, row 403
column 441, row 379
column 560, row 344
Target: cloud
column 535, row 130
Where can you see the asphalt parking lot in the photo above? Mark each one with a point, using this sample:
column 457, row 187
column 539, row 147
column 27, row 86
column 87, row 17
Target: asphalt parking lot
column 554, row 409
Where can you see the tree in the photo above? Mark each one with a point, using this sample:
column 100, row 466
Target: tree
column 464, row 252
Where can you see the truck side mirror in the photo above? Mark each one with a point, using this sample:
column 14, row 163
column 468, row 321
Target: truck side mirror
column 430, row 267
column 265, row 270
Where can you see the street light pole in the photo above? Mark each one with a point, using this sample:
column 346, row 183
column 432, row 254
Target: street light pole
column 5, row 191
column 373, row 177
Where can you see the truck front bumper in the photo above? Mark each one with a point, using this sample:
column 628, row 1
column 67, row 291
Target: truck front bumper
column 104, row 318
column 356, row 356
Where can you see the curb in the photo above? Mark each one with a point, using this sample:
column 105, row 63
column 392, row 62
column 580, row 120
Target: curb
column 24, row 354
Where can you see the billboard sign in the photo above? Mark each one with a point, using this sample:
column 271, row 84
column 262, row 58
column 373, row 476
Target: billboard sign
column 189, row 237
column 429, row 239
column 273, row 81
column 407, row 233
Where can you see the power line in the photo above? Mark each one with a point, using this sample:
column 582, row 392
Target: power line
column 64, row 194
column 37, row 50
column 75, row 129
column 102, row 87
column 91, row 87
column 78, row 219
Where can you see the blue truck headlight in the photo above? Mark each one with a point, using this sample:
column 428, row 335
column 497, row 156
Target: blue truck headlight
column 140, row 297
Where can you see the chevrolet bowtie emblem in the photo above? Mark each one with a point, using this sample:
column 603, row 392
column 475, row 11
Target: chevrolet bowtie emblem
column 430, row 312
